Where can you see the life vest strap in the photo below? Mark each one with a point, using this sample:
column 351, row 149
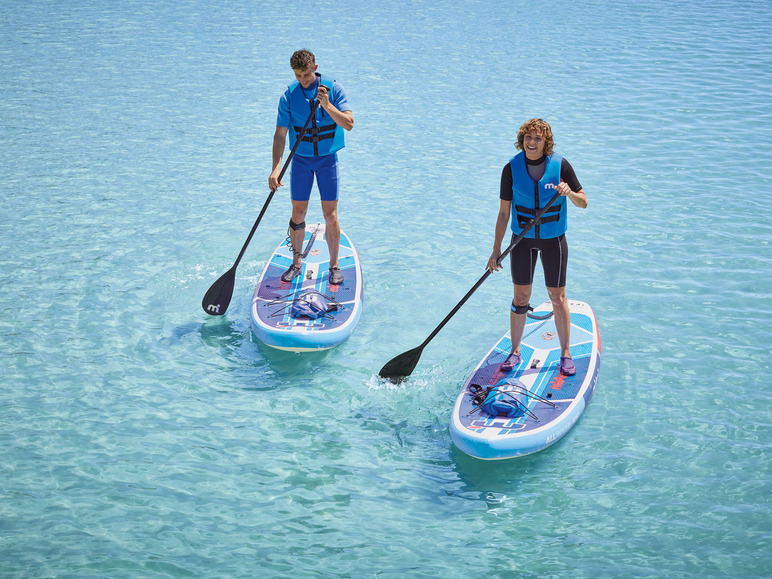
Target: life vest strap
column 525, row 214
column 532, row 211
column 317, row 130
column 522, row 221
column 318, row 138
column 314, row 134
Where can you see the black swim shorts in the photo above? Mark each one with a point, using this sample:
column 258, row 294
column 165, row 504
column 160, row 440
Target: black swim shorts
column 554, row 259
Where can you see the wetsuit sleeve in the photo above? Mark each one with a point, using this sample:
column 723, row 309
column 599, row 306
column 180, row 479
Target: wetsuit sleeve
column 283, row 118
column 567, row 174
column 339, row 97
column 505, row 189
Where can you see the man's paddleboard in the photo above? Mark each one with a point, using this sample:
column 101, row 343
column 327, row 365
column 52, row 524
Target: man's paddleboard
column 308, row 313
column 547, row 402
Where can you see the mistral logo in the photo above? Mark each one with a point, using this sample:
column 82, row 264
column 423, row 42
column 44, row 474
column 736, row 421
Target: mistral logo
column 213, row 309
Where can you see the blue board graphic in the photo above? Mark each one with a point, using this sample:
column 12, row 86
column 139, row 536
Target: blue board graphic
column 553, row 401
column 274, row 320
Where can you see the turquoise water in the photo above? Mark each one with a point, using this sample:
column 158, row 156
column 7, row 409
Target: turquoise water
column 141, row 438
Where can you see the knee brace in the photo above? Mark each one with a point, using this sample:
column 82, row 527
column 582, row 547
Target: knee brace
column 520, row 309
column 297, row 226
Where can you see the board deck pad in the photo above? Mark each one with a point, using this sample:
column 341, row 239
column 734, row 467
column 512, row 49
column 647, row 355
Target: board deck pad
column 483, row 436
column 272, row 321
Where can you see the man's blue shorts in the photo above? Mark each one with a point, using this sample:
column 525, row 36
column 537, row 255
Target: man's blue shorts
column 302, row 177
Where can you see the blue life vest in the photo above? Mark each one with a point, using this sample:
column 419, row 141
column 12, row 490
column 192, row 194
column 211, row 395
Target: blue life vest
column 323, row 136
column 528, row 197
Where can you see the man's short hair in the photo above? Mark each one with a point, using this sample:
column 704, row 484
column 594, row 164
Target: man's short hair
column 302, row 59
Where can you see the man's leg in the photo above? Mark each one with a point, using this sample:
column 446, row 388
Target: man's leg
column 330, row 210
column 298, row 233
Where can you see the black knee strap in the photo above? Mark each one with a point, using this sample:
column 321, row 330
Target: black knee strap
column 520, row 309
column 297, row 226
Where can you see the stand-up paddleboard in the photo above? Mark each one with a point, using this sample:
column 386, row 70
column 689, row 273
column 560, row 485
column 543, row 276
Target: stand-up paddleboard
column 308, row 313
column 544, row 404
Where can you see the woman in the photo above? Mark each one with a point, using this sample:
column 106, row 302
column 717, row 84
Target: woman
column 528, row 182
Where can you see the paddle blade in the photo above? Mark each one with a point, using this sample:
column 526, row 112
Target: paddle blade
column 216, row 300
column 402, row 366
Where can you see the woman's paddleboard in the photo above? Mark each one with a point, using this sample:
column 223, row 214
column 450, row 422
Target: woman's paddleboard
column 541, row 403
column 308, row 313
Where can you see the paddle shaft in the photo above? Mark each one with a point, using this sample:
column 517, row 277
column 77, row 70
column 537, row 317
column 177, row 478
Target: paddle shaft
column 218, row 297
column 482, row 279
column 283, row 170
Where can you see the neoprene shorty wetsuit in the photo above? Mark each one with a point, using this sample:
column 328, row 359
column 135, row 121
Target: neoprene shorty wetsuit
column 553, row 251
column 318, row 158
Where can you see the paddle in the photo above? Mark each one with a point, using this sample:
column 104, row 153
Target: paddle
column 404, row 364
column 217, row 299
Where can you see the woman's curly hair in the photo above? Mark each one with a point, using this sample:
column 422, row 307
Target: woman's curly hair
column 539, row 126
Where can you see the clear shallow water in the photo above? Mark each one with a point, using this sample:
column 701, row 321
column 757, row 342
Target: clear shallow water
column 141, row 438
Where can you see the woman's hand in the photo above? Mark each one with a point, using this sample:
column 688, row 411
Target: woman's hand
column 564, row 189
column 578, row 198
column 493, row 261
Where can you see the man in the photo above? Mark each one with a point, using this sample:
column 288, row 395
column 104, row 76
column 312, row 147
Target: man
column 528, row 181
column 316, row 156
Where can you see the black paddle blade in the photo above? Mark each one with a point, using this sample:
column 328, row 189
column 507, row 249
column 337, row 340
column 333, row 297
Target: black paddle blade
column 216, row 300
column 399, row 368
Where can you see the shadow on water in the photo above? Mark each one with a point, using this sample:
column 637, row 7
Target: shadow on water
column 219, row 332
column 483, row 475
column 291, row 363
column 493, row 477
column 242, row 353
column 241, row 346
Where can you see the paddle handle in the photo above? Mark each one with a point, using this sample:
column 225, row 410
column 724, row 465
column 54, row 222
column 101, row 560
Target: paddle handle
column 283, row 170
column 482, row 279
